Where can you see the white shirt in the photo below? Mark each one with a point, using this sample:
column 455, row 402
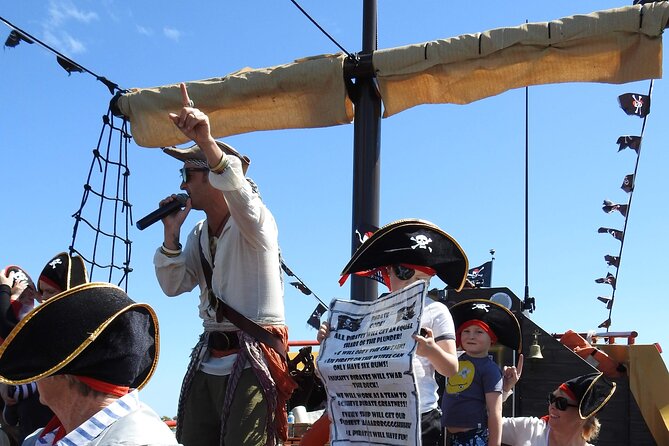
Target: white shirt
column 436, row 317
column 526, row 431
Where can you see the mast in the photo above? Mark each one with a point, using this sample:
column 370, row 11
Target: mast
column 366, row 147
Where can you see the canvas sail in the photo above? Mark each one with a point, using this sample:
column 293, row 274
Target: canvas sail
column 612, row 46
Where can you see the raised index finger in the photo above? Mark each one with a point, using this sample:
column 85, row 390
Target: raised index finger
column 519, row 366
column 184, row 96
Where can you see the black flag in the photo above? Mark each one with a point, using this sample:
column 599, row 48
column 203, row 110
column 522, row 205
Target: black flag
column 609, row 279
column 15, row 38
column 315, row 318
column 635, row 104
column 632, row 142
column 618, row 235
column 609, row 206
column 607, row 300
column 605, row 324
column 302, row 287
column 348, row 323
column 69, row 66
column 612, row 260
column 481, row 275
column 628, row 183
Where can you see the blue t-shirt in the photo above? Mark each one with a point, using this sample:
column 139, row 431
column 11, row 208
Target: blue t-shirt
column 464, row 403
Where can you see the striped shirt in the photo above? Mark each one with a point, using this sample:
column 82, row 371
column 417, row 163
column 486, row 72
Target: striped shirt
column 94, row 426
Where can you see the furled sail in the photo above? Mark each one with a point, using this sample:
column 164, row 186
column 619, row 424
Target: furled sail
column 612, row 46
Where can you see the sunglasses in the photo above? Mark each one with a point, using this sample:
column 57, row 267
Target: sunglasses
column 402, row 272
column 560, row 402
column 184, row 171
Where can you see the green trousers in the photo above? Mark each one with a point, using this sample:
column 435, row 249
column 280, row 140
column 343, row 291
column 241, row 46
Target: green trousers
column 246, row 424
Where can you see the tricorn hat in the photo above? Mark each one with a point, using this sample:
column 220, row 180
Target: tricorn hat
column 93, row 330
column 63, row 272
column 497, row 317
column 194, row 153
column 591, row 391
column 415, row 242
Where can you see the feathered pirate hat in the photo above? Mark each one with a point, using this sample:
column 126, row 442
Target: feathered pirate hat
column 413, row 242
column 497, row 317
column 591, row 391
column 194, row 153
column 93, row 330
column 63, row 272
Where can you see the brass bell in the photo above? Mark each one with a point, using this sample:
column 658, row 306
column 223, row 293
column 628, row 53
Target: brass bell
column 535, row 348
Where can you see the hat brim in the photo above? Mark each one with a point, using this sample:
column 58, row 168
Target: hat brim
column 195, row 153
column 392, row 244
column 52, row 336
column 500, row 320
column 598, row 393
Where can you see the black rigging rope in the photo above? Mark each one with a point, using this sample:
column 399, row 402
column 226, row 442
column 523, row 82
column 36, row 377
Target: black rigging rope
column 306, row 14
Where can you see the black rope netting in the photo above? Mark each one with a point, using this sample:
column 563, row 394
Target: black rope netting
column 106, row 195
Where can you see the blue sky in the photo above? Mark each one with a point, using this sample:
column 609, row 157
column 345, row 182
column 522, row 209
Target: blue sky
column 461, row 167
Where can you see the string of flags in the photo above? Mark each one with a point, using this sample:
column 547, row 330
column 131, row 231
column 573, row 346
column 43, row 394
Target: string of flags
column 17, row 35
column 633, row 104
column 315, row 318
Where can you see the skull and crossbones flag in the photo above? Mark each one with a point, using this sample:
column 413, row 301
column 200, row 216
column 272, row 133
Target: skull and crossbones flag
column 618, row 235
column 15, row 38
column 628, row 183
column 612, row 260
column 632, row 142
column 609, row 279
column 481, row 276
column 635, row 104
column 315, row 318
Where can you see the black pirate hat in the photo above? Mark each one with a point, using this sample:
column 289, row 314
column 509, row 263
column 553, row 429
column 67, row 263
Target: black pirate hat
column 501, row 321
column 93, row 330
column 414, row 242
column 63, row 272
column 194, row 153
column 591, row 391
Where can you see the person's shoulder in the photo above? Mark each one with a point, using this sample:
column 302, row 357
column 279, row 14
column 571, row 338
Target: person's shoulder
column 141, row 427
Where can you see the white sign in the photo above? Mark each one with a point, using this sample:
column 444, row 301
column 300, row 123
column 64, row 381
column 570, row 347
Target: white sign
column 366, row 367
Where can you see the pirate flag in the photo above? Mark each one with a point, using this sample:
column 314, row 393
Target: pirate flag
column 607, row 300
column 612, row 260
column 348, row 323
column 609, row 279
column 15, row 38
column 315, row 318
column 302, row 287
column 605, row 324
column 69, row 66
column 406, row 313
column 628, row 183
column 609, row 206
column 635, row 104
column 618, row 235
column 632, row 142
column 480, row 276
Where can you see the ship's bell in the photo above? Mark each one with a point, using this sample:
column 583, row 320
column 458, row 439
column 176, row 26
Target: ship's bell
column 535, row 348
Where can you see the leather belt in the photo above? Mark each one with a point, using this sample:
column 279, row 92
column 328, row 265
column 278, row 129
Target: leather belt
column 223, row 340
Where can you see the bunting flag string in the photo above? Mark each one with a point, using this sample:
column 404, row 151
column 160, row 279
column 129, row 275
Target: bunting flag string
column 315, row 318
column 633, row 104
column 17, row 35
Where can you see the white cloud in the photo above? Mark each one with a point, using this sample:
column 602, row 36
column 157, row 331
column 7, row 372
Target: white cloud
column 64, row 42
column 61, row 11
column 172, row 33
column 144, row 31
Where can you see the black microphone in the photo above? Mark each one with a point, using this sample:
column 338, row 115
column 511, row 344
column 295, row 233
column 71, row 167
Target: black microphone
column 162, row 211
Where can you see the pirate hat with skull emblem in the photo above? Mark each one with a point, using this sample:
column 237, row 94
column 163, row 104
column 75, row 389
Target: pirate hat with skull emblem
column 500, row 323
column 195, row 154
column 412, row 242
column 63, row 272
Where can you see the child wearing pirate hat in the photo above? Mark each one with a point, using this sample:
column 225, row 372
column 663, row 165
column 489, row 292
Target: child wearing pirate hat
column 398, row 255
column 571, row 416
column 102, row 347
column 61, row 273
column 472, row 401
